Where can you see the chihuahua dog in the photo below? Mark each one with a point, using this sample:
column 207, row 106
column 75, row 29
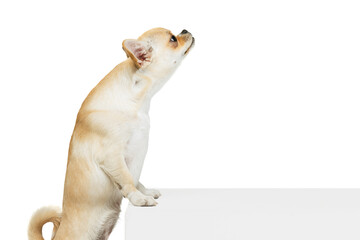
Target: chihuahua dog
column 110, row 141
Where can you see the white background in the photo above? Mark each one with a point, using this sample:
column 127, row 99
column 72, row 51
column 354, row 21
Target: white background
column 269, row 96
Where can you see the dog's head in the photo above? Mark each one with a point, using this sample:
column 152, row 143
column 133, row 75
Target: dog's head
column 158, row 49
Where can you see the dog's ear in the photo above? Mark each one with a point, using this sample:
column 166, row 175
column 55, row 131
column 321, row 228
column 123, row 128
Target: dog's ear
column 138, row 51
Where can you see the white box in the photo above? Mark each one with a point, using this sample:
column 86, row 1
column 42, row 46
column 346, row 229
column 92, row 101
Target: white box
column 248, row 214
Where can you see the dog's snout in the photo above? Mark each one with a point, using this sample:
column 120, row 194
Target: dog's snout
column 184, row 31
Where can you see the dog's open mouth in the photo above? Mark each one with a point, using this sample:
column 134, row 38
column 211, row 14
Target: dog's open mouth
column 191, row 45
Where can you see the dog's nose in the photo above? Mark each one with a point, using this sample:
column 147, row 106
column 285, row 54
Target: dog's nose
column 184, row 31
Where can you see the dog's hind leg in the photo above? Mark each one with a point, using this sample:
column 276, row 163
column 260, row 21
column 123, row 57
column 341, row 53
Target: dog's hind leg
column 111, row 219
column 107, row 228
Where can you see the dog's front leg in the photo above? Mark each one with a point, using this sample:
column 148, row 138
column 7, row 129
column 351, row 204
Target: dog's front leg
column 118, row 171
column 147, row 191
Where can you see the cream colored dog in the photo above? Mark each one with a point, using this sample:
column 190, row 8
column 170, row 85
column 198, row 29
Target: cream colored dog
column 110, row 141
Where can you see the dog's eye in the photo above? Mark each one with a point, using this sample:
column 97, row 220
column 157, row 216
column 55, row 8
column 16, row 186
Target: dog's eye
column 173, row 39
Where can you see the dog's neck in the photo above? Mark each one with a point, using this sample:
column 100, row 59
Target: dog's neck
column 149, row 80
column 141, row 84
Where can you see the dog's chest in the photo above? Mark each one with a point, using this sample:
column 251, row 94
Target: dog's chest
column 137, row 145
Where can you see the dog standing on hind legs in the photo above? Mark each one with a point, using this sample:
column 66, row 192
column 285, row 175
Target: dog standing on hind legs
column 110, row 141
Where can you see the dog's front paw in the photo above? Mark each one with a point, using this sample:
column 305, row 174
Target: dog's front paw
column 138, row 199
column 152, row 192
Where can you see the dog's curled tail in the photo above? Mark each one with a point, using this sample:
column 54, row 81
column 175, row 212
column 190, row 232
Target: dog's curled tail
column 39, row 218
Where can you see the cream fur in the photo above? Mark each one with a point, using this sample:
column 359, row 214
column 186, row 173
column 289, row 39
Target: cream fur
column 110, row 141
